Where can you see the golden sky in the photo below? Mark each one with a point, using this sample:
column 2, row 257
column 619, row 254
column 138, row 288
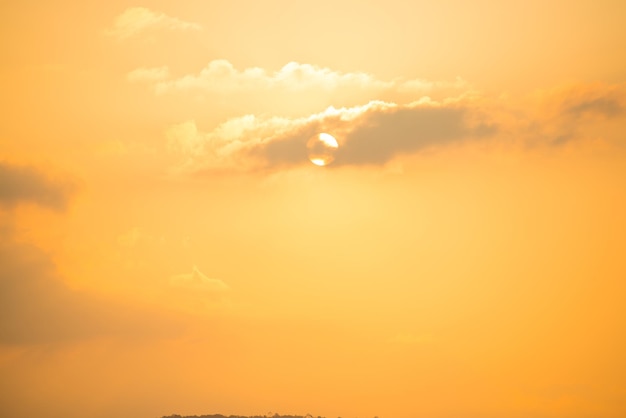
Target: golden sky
column 166, row 246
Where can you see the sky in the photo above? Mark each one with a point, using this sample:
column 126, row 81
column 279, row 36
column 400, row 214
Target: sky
column 167, row 246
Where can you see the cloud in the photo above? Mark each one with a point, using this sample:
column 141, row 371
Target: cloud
column 225, row 146
column 564, row 112
column 220, row 76
column 384, row 134
column 197, row 282
column 148, row 74
column 36, row 307
column 21, row 184
column 598, row 100
column 198, row 294
column 136, row 20
column 372, row 134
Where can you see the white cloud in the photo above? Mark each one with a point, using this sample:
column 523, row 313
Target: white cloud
column 220, row 76
column 224, row 146
column 139, row 19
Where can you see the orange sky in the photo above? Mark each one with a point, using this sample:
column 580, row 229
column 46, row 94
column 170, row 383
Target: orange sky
column 167, row 247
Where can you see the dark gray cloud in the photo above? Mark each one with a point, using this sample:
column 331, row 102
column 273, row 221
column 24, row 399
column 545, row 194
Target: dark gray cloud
column 377, row 135
column 385, row 135
column 20, row 184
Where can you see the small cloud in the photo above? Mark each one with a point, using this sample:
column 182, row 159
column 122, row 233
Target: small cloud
column 136, row 20
column 196, row 281
column 21, row 184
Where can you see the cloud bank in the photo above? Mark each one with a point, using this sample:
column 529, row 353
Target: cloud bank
column 136, row 20
column 380, row 131
column 371, row 134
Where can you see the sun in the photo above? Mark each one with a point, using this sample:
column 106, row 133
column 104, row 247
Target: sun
column 321, row 149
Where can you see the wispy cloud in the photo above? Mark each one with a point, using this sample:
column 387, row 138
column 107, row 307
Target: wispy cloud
column 563, row 112
column 196, row 293
column 606, row 101
column 136, row 20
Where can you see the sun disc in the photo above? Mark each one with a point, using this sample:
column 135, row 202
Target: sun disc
column 329, row 140
column 321, row 149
